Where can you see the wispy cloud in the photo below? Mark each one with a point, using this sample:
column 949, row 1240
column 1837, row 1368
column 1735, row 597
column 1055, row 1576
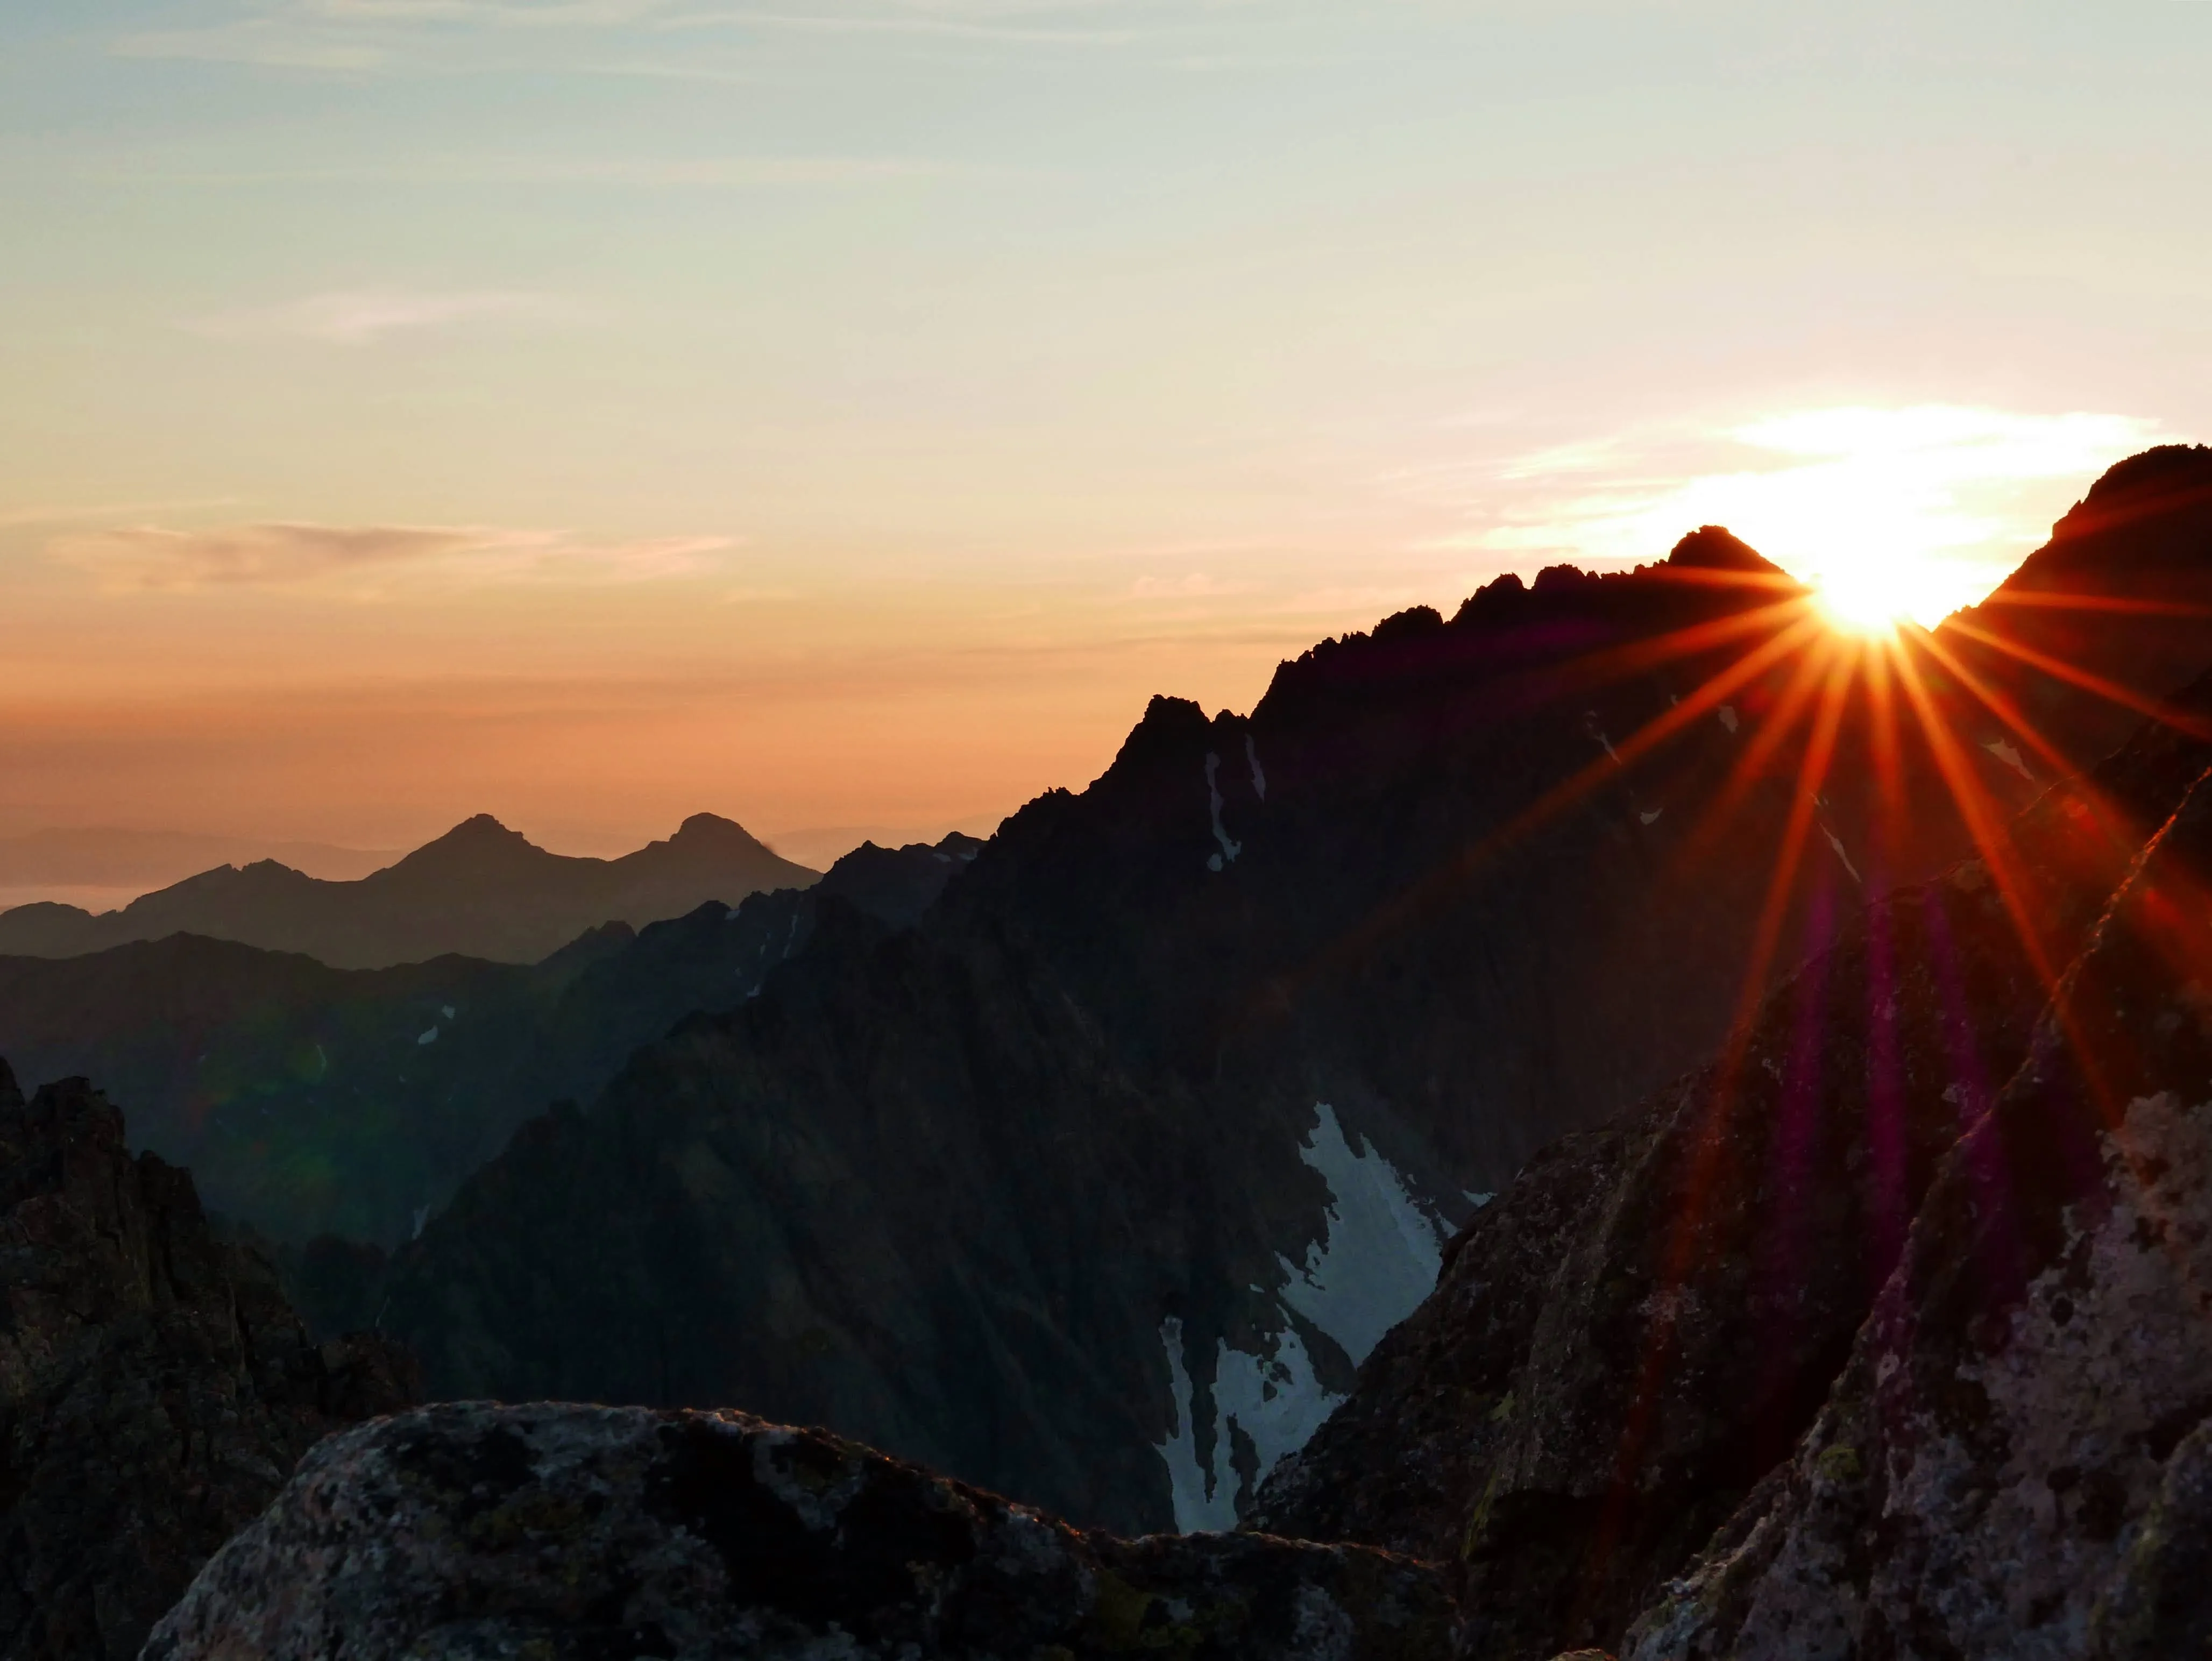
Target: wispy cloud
column 675, row 173
column 361, row 317
column 996, row 27
column 291, row 554
column 266, row 43
column 357, row 36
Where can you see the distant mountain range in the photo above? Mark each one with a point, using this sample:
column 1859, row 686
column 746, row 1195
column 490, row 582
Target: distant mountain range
column 309, row 1099
column 108, row 857
column 481, row 890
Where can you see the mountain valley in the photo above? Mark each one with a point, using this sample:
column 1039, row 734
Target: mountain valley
column 1642, row 1122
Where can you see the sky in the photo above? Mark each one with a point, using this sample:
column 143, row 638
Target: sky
column 844, row 415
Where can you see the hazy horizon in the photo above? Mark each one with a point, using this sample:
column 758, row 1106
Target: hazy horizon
column 596, row 411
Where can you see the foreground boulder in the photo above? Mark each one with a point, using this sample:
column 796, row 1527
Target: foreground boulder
column 155, row 1389
column 564, row 1532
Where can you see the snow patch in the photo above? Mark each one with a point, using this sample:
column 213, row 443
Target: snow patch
column 322, row 1063
column 1276, row 1401
column 421, row 1216
column 448, row 1010
column 1728, row 716
column 430, row 1037
column 1378, row 1257
column 1229, row 848
column 1380, row 1250
column 1837, row 843
column 1258, row 775
column 1478, row 1201
column 1651, row 817
column 2010, row 757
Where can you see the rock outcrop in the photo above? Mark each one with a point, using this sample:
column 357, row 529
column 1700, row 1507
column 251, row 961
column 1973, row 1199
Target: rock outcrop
column 574, row 1532
column 155, row 1388
column 2013, row 1461
column 1624, row 1346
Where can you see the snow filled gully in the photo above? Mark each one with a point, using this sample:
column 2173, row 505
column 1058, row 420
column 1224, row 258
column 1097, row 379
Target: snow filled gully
column 1377, row 1258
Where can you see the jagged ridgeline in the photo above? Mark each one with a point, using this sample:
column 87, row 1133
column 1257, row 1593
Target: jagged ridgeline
column 1096, row 1184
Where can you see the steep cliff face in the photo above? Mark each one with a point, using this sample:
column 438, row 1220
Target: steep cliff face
column 154, row 1390
column 1097, row 1184
column 575, row 1532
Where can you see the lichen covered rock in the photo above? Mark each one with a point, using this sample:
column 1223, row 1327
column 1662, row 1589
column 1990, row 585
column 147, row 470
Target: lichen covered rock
column 566, row 1532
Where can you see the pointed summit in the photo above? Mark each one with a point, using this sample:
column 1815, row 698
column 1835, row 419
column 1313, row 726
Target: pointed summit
column 710, row 832
column 1715, row 547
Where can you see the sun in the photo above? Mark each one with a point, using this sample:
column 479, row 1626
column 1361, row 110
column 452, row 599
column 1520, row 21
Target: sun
column 1869, row 599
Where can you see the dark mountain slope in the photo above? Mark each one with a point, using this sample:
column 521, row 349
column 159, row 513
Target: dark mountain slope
column 308, row 1099
column 1646, row 1322
column 480, row 890
column 154, row 1388
column 1095, row 1186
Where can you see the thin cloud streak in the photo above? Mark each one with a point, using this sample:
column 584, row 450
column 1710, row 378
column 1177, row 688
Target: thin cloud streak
column 706, row 172
column 142, row 559
column 363, row 316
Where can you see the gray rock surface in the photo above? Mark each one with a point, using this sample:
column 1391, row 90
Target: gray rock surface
column 567, row 1532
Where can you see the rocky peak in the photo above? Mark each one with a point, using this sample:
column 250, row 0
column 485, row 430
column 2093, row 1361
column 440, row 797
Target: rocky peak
column 1713, row 548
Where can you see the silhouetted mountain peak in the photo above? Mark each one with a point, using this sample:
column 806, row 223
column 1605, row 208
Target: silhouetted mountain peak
column 1171, row 729
column 708, row 831
column 1715, row 547
column 2156, row 475
column 473, row 847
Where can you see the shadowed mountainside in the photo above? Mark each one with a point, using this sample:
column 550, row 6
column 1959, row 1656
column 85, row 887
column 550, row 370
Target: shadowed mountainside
column 311, row 1100
column 1095, row 1186
column 480, row 890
